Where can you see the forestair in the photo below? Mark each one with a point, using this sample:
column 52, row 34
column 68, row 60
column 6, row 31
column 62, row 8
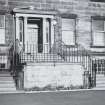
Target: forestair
column 6, row 82
column 100, row 81
column 60, row 53
column 40, row 57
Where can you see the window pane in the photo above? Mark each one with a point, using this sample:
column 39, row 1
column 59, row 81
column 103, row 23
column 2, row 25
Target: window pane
column 2, row 36
column 98, row 25
column 1, row 21
column 68, row 24
column 98, row 39
column 68, row 37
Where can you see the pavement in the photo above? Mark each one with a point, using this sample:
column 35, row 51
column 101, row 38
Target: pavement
column 81, row 97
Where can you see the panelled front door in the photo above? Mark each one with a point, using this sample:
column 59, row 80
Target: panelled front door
column 31, row 40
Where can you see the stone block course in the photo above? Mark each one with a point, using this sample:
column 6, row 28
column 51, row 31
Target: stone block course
column 59, row 75
column 83, row 9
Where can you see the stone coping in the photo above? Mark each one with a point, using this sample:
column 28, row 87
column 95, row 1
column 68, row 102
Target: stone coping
column 30, row 92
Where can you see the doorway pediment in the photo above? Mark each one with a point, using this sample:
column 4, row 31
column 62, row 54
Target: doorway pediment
column 33, row 10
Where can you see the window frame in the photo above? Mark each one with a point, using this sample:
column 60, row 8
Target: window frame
column 74, row 17
column 4, row 23
column 97, row 1
column 97, row 18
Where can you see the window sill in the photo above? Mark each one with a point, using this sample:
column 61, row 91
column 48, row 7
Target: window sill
column 97, row 46
column 72, row 45
column 97, row 0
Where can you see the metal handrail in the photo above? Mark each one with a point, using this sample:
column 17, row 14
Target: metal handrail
column 60, row 52
column 86, row 61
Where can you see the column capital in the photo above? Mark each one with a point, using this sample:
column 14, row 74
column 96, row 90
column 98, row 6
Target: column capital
column 25, row 17
column 44, row 18
column 16, row 16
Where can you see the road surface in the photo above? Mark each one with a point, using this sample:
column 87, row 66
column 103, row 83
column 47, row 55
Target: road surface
column 56, row 98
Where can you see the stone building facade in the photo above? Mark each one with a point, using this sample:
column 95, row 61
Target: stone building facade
column 45, row 22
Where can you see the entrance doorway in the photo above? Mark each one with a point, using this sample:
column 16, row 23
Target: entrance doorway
column 38, row 38
column 35, row 33
column 34, row 37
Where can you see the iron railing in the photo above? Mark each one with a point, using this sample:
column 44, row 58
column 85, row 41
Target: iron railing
column 99, row 66
column 59, row 53
column 38, row 53
column 9, row 62
column 5, row 57
column 87, row 63
column 70, row 53
column 78, row 54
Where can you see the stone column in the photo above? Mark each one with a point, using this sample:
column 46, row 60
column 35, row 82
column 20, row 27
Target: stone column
column 52, row 33
column 17, row 27
column 25, row 30
column 25, row 34
column 44, row 35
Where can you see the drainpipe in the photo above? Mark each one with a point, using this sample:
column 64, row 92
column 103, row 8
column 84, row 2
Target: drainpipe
column 54, row 24
column 6, row 3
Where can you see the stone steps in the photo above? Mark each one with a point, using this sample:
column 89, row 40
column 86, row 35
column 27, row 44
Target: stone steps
column 6, row 82
column 5, row 75
column 41, row 57
column 100, row 81
column 6, row 78
column 7, row 89
column 3, row 85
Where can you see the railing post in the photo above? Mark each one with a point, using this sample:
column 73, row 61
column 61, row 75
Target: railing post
column 104, row 67
column 54, row 24
column 93, row 73
column 77, row 54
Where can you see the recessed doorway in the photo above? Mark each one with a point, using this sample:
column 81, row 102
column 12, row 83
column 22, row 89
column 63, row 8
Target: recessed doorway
column 34, row 37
